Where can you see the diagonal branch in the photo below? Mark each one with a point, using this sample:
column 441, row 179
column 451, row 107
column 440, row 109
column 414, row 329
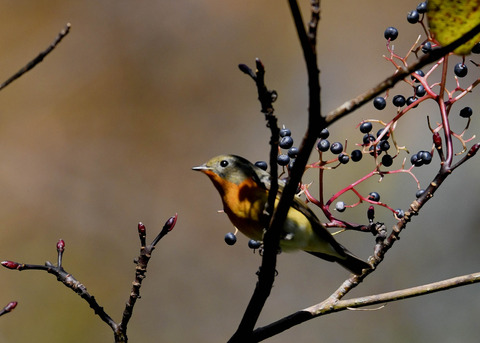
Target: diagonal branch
column 331, row 306
column 30, row 65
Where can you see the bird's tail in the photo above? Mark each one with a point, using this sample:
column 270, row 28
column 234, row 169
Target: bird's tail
column 348, row 261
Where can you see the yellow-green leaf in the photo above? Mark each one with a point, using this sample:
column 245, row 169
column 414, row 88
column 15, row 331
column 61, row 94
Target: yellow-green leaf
column 450, row 19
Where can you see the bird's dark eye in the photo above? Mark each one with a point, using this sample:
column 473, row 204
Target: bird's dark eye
column 224, row 163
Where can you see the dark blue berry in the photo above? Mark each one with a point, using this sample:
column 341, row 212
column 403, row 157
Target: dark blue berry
column 262, row 165
column 230, row 238
column 285, row 132
column 286, row 142
column 416, row 161
column 387, row 160
column 356, row 155
column 399, row 213
column 460, row 70
column 253, row 244
column 374, row 196
column 374, row 150
column 366, row 127
column 379, row 103
column 420, row 91
column 422, row 7
column 419, row 193
column 476, row 48
column 343, row 158
column 385, row 137
column 427, row 47
column 425, row 156
column 398, row 100
column 324, row 134
column 411, row 100
column 466, row 112
column 368, row 138
column 384, row 145
column 323, row 145
column 391, row 33
column 293, row 152
column 283, row 160
column 336, row 148
column 413, row 17
column 419, row 73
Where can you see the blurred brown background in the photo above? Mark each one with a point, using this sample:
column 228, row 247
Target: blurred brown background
column 103, row 134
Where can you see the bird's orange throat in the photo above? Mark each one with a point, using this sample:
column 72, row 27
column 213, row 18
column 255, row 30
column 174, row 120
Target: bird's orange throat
column 244, row 204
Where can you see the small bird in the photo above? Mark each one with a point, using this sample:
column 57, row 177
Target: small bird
column 244, row 188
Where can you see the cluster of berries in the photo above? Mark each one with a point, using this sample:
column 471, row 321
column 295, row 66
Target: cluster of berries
column 413, row 17
column 356, row 155
column 420, row 158
column 288, row 157
column 336, row 148
column 286, row 143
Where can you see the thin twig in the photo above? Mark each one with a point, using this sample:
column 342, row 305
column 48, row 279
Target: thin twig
column 30, row 65
column 266, row 274
column 140, row 271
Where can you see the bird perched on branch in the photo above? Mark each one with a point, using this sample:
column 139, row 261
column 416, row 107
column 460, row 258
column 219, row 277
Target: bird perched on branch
column 244, row 188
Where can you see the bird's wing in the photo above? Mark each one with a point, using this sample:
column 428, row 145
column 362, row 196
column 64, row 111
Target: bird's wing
column 318, row 228
column 347, row 259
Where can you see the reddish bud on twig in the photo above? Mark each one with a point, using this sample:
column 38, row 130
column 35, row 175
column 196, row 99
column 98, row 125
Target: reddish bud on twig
column 437, row 140
column 371, row 213
column 11, row 306
column 170, row 223
column 473, row 150
column 142, row 233
column 11, row 264
column 142, row 229
column 61, row 245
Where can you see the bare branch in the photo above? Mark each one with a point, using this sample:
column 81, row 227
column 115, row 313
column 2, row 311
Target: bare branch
column 30, row 65
column 331, row 305
column 120, row 330
column 141, row 270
